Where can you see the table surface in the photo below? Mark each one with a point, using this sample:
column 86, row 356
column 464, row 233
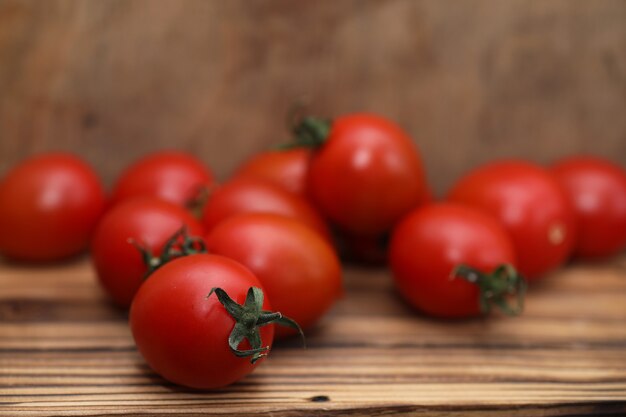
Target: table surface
column 64, row 350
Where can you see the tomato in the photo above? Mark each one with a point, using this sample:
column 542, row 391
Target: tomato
column 365, row 174
column 49, row 206
column 245, row 195
column 531, row 205
column 170, row 175
column 183, row 333
column 149, row 222
column 285, row 168
column 299, row 270
column 431, row 241
column 597, row 189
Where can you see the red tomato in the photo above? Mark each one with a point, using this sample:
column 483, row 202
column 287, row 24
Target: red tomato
column 253, row 195
column 597, row 188
column 172, row 176
column 49, row 206
column 297, row 267
column 150, row 222
column 183, row 334
column 430, row 242
column 285, row 168
column 366, row 174
column 531, row 204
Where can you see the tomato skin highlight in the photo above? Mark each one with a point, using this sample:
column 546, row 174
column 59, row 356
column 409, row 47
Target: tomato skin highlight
column 150, row 222
column 286, row 168
column 182, row 334
column 532, row 206
column 597, row 189
column 430, row 242
column 299, row 270
column 49, row 207
column 253, row 195
column 172, row 176
column 366, row 175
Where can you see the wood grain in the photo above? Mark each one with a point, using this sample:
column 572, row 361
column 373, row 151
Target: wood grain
column 469, row 80
column 64, row 350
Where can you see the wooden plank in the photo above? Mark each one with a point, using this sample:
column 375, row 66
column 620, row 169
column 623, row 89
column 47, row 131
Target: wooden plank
column 64, row 350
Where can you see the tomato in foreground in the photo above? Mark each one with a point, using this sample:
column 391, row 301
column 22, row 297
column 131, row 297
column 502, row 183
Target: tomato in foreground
column 365, row 173
column 49, row 206
column 597, row 188
column 298, row 269
column 286, row 168
column 532, row 206
column 430, row 242
column 173, row 176
column 183, row 332
column 147, row 222
column 253, row 195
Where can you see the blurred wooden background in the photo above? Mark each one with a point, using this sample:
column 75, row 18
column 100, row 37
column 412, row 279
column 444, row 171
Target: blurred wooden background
column 470, row 80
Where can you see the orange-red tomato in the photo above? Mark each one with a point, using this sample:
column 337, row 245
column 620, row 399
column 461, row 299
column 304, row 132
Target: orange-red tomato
column 149, row 222
column 299, row 270
column 183, row 334
column 366, row 174
column 169, row 175
column 49, row 206
column 285, row 168
column 597, row 189
column 431, row 241
column 253, row 195
column 531, row 205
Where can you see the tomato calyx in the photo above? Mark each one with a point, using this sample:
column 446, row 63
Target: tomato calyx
column 496, row 288
column 249, row 317
column 309, row 132
column 178, row 245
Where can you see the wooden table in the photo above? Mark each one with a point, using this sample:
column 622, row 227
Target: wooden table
column 65, row 351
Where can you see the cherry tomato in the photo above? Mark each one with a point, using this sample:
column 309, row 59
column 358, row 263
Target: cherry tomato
column 285, row 168
column 183, row 334
column 431, row 241
column 531, row 205
column 366, row 173
column 148, row 222
column 170, row 175
column 597, row 188
column 245, row 195
column 299, row 269
column 49, row 206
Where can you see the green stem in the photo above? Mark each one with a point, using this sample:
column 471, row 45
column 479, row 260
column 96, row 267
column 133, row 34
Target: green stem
column 310, row 132
column 496, row 288
column 178, row 245
column 249, row 317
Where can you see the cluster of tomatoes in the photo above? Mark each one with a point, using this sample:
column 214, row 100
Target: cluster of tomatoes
column 211, row 272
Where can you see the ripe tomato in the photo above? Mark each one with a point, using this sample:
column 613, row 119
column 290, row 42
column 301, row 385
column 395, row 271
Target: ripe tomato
column 49, row 206
column 297, row 267
column 430, row 242
column 149, row 222
column 246, row 195
column 170, row 175
column 182, row 333
column 597, row 189
column 366, row 173
column 285, row 168
column 532, row 206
